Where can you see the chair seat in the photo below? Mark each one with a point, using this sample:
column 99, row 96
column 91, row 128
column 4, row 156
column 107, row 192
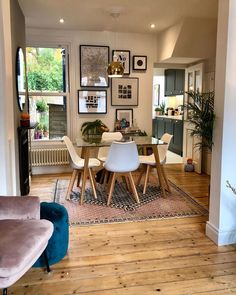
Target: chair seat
column 79, row 163
column 22, row 242
column 149, row 160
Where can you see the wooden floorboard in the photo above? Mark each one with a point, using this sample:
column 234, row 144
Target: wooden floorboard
column 168, row 257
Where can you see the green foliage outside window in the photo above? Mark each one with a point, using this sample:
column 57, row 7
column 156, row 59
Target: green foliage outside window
column 44, row 69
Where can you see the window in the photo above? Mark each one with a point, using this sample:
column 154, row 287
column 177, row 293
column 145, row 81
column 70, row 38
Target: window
column 47, row 86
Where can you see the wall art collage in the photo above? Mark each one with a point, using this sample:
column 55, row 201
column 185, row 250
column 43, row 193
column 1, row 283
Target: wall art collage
column 94, row 81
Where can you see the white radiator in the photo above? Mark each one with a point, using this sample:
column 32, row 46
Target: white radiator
column 49, row 157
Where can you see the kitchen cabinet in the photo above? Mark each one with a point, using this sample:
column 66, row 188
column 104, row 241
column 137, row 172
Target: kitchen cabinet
column 174, row 82
column 172, row 126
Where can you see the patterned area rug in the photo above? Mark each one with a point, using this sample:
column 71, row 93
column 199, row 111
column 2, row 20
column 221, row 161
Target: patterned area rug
column 123, row 207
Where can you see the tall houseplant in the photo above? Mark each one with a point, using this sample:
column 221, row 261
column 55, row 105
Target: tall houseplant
column 200, row 113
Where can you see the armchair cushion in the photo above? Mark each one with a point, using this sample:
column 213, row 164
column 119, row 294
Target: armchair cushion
column 22, row 242
column 19, row 207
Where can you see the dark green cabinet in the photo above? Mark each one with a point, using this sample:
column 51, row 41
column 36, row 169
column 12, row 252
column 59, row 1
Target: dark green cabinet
column 163, row 125
column 177, row 141
column 174, row 82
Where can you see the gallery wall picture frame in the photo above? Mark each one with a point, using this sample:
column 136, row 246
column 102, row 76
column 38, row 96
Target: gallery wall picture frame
column 139, row 62
column 123, row 56
column 126, row 114
column 92, row 101
column 124, row 91
column 94, row 60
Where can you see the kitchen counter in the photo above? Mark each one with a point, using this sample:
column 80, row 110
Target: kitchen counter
column 179, row 117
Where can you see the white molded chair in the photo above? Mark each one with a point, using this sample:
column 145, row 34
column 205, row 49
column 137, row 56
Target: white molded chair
column 77, row 164
column 149, row 161
column 108, row 136
column 122, row 159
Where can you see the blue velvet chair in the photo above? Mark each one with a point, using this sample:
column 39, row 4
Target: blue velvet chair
column 58, row 244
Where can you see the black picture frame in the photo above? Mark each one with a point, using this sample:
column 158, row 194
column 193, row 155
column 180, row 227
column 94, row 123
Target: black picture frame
column 124, row 58
column 124, row 91
column 94, row 60
column 139, row 62
column 92, row 101
column 125, row 114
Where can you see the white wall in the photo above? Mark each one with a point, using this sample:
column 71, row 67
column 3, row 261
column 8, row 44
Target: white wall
column 12, row 29
column 138, row 44
column 221, row 226
column 193, row 38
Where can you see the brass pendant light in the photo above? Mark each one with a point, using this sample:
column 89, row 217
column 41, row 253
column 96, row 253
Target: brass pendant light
column 115, row 68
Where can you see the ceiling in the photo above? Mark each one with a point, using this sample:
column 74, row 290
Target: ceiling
column 95, row 15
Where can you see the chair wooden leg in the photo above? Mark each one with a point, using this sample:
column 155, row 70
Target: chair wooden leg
column 4, row 291
column 79, row 178
column 92, row 179
column 133, row 187
column 113, row 179
column 125, row 181
column 102, row 179
column 146, row 179
column 71, row 184
column 107, row 179
column 165, row 178
column 140, row 177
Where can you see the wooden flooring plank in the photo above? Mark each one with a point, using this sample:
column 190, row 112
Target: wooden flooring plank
column 168, row 257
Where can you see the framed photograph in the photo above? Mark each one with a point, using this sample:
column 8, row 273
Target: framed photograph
column 94, row 61
column 140, row 62
column 92, row 101
column 124, row 58
column 124, row 91
column 126, row 114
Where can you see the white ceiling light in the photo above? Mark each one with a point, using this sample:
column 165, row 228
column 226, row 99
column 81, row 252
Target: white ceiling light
column 152, row 26
column 61, row 20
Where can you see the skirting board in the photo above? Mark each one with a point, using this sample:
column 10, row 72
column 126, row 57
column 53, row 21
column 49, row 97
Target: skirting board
column 51, row 169
column 220, row 238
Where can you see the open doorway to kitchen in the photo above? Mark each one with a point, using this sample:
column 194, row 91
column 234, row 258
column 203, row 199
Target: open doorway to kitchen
column 167, row 108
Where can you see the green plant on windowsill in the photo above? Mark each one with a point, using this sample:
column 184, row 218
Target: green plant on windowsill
column 96, row 127
column 41, row 106
column 160, row 110
column 200, row 113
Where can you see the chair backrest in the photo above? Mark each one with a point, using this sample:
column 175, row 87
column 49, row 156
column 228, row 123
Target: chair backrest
column 73, row 154
column 162, row 149
column 122, row 157
column 108, row 136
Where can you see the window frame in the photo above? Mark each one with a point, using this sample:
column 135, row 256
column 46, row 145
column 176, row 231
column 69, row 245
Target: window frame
column 66, row 93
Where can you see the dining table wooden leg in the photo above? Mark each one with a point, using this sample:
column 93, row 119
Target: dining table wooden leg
column 85, row 156
column 92, row 181
column 165, row 178
column 159, row 170
column 146, row 179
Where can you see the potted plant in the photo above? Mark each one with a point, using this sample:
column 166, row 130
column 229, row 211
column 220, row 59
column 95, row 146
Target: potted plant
column 200, row 110
column 96, row 127
column 158, row 111
column 45, row 130
column 41, row 106
column 38, row 131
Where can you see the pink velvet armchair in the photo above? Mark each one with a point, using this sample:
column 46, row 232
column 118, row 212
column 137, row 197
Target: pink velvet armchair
column 23, row 237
